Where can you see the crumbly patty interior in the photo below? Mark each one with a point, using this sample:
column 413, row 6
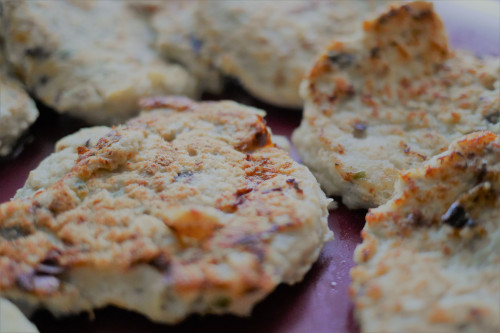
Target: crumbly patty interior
column 91, row 59
column 430, row 257
column 389, row 101
column 188, row 208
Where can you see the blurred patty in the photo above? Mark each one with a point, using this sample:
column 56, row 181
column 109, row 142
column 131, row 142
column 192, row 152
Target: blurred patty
column 91, row 59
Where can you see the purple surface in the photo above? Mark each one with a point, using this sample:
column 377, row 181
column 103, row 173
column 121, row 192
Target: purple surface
column 314, row 305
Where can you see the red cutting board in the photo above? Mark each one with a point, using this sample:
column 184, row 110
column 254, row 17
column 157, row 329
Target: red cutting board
column 320, row 303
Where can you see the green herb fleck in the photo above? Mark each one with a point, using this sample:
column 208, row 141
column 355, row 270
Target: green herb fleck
column 359, row 175
column 222, row 302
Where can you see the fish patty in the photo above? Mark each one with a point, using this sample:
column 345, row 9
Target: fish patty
column 91, row 59
column 269, row 45
column 430, row 259
column 188, row 208
column 389, row 101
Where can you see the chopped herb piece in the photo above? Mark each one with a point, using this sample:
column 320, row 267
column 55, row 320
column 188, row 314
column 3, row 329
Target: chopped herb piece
column 222, row 302
column 343, row 60
column 359, row 175
column 359, row 130
column 37, row 52
column 456, row 216
column 493, row 118
column 11, row 233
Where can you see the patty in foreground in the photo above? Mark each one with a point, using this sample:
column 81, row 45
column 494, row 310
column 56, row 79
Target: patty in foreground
column 390, row 101
column 430, row 257
column 188, row 208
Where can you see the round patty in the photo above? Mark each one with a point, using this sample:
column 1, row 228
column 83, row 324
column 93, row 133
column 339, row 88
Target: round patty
column 430, row 258
column 269, row 45
column 91, row 59
column 188, row 208
column 177, row 38
column 390, row 100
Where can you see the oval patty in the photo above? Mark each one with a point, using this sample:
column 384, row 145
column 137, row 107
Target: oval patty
column 188, row 208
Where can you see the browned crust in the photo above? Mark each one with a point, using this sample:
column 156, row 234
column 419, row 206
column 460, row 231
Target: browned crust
column 442, row 216
column 390, row 100
column 91, row 210
column 466, row 156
